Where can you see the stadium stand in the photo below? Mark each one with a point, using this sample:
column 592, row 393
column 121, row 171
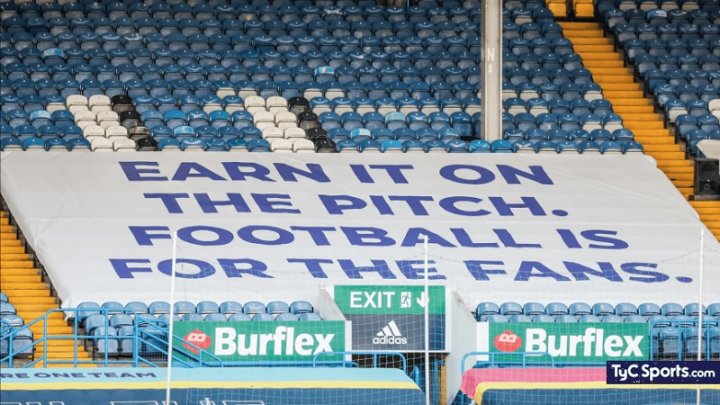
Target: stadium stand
column 627, row 78
column 73, row 90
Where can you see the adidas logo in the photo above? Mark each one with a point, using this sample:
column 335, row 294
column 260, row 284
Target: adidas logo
column 390, row 335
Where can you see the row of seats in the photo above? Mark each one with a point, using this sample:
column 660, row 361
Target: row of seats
column 681, row 343
column 181, row 308
column 244, row 12
column 486, row 309
column 676, row 54
column 10, row 323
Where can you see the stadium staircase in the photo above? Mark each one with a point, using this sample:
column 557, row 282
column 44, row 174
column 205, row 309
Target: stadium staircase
column 638, row 112
column 32, row 297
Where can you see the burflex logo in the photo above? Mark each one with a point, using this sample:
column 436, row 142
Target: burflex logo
column 199, row 339
column 390, row 335
column 508, row 341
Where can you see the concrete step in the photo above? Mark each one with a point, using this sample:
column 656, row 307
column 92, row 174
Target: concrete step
column 655, row 140
column 671, row 163
column 32, row 278
column 632, row 124
column 619, row 95
column 19, row 272
column 577, row 33
column 7, row 256
column 661, row 148
column 29, row 286
column 600, row 56
column 613, row 78
column 629, row 101
column 28, row 293
column 22, row 300
column 35, row 307
column 667, row 156
column 574, row 25
column 622, row 87
column 593, row 48
column 633, row 109
column 16, row 264
column 653, row 133
column 590, row 64
column 13, row 249
column 8, row 242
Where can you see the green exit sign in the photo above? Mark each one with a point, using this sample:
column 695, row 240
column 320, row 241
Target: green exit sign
column 374, row 299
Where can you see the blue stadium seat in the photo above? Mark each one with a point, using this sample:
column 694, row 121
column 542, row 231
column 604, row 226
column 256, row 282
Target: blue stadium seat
column 215, row 317
column 134, row 308
column 157, row 308
column 112, row 307
column 262, row 316
column 207, row 307
column 277, row 307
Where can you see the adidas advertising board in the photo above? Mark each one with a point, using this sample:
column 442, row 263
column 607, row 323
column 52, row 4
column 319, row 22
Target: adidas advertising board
column 253, row 341
column 390, row 335
column 586, row 343
column 387, row 317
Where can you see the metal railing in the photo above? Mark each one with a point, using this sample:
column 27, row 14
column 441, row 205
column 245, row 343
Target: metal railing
column 152, row 337
column 518, row 359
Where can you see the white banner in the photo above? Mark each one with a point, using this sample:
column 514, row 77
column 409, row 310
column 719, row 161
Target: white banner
column 262, row 226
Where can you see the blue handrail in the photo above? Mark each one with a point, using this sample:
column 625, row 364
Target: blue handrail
column 523, row 355
column 374, row 355
column 156, row 341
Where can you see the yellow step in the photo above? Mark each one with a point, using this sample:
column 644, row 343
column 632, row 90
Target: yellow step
column 20, row 300
column 4, row 256
column 18, row 272
column 682, row 183
column 672, row 163
column 661, row 148
column 5, row 242
column 28, row 293
column 713, row 224
column 40, row 365
column 680, row 176
column 710, row 217
column 35, row 307
column 28, row 287
column 600, row 56
column 576, row 33
column 590, row 41
column 12, row 249
column 655, row 140
column 592, row 64
column 653, row 132
column 30, row 315
column 619, row 95
column 615, row 101
column 652, row 116
column 609, row 71
column 633, row 109
column 7, row 228
column 685, row 191
column 706, row 207
column 4, row 220
column 643, row 124
column 593, row 48
column 622, row 87
column 570, row 25
column 16, row 264
column 667, row 155
column 32, row 278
